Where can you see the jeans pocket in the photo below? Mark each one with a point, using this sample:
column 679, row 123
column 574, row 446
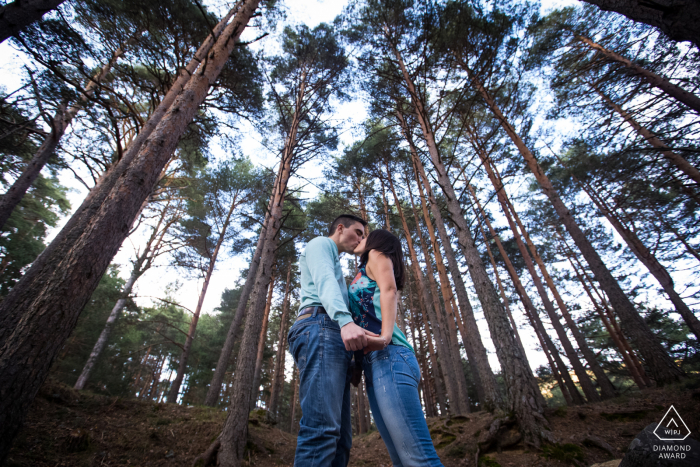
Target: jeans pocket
column 298, row 346
column 410, row 359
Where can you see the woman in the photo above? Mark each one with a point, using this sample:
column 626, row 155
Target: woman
column 391, row 369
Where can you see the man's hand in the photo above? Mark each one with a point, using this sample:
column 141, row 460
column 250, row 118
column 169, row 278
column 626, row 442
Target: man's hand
column 354, row 337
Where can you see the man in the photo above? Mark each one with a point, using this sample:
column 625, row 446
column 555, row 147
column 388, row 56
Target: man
column 322, row 341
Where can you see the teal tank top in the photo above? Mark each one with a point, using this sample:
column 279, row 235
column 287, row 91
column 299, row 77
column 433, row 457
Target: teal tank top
column 365, row 307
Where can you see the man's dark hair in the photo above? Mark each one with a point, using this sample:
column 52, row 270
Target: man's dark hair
column 347, row 220
column 389, row 245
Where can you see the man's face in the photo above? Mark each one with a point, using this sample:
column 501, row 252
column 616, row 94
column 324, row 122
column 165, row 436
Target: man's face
column 350, row 237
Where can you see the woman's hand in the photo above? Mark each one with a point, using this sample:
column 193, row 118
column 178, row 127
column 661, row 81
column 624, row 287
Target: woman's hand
column 375, row 343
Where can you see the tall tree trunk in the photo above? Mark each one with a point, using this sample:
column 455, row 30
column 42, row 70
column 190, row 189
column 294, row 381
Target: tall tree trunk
column 449, row 352
column 430, row 410
column 678, row 19
column 141, row 265
column 533, row 316
column 632, row 368
column 438, row 327
column 182, row 368
column 278, row 374
column 387, row 224
column 234, row 435
column 142, row 362
column 261, row 341
column 79, row 222
column 662, row 367
column 635, row 364
column 90, row 209
column 501, row 288
column 295, row 396
column 646, row 257
column 492, row 396
column 659, row 82
column 215, row 386
column 524, row 398
column 584, row 379
column 107, row 330
column 40, row 312
column 451, row 312
column 16, row 15
column 59, row 124
column 673, row 157
column 440, row 386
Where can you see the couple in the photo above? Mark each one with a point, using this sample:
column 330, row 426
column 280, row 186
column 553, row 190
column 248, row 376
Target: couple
column 333, row 323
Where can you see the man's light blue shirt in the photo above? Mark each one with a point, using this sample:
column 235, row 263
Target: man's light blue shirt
column 322, row 281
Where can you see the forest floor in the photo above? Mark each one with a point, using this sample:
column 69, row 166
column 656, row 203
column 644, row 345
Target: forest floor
column 71, row 428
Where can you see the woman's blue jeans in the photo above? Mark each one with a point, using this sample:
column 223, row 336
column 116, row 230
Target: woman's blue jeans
column 392, row 377
column 325, row 429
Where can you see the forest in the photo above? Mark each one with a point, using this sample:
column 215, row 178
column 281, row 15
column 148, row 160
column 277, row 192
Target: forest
column 539, row 162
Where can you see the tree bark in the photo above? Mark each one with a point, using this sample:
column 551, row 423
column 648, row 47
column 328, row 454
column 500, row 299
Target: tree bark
column 501, row 288
column 234, row 435
column 295, row 396
column 492, row 396
column 261, row 341
column 437, row 369
column 430, row 410
column 438, row 326
column 449, row 352
column 451, row 313
column 278, row 374
column 42, row 309
column 59, row 124
column 533, row 316
column 79, row 222
column 678, row 19
column 676, row 159
column 584, row 379
column 625, row 349
column 631, row 367
column 672, row 90
column 21, row 13
column 662, row 367
column 525, row 399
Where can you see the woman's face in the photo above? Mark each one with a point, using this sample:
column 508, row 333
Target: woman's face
column 359, row 249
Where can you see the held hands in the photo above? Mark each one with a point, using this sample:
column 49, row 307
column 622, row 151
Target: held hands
column 375, row 343
column 355, row 338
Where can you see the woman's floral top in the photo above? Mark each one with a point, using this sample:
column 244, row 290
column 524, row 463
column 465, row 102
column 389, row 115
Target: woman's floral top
column 365, row 307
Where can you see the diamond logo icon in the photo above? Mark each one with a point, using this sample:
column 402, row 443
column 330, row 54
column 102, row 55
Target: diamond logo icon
column 672, row 427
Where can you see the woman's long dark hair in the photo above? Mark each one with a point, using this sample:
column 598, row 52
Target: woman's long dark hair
column 388, row 244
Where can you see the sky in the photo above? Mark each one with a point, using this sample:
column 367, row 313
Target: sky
column 154, row 282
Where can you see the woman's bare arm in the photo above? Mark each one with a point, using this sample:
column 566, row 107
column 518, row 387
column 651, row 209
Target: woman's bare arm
column 381, row 269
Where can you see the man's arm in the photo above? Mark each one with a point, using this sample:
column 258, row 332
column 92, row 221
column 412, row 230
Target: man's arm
column 319, row 260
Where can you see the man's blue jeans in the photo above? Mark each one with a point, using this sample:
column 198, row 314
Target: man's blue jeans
column 325, row 429
column 392, row 377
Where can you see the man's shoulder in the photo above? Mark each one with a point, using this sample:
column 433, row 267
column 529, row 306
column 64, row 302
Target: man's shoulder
column 319, row 242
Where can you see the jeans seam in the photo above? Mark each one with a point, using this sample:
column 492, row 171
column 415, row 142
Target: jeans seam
column 404, row 411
